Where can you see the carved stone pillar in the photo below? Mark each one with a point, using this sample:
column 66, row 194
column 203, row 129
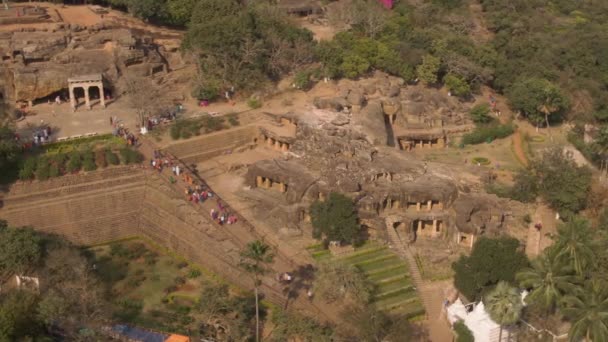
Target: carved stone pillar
column 285, row 147
column 435, row 229
column 87, row 100
column 267, row 183
column 417, row 206
column 429, row 205
column 102, row 98
column 259, row 181
column 277, row 145
column 72, row 98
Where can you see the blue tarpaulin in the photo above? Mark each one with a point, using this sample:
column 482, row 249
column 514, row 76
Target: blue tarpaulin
column 139, row 335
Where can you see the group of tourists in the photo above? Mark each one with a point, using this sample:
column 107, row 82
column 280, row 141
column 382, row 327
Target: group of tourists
column 165, row 117
column 222, row 215
column 194, row 192
column 118, row 130
column 41, row 135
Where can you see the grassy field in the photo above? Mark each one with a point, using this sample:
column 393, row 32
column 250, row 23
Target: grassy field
column 149, row 288
column 394, row 291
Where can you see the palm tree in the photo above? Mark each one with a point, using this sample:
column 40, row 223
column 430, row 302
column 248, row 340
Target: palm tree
column 549, row 279
column 574, row 246
column 254, row 259
column 587, row 309
column 504, row 305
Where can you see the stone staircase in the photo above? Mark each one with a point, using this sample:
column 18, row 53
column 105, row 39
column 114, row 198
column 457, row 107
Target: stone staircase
column 397, row 245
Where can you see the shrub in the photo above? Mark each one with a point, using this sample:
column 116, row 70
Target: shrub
column 194, row 273
column 175, row 131
column 209, row 91
column 480, row 114
column 169, row 289
column 54, row 171
column 42, row 169
column 130, row 156
column 487, row 134
column 212, row 123
column 112, row 158
column 136, row 250
column 233, row 119
column 302, row 80
column 100, row 158
column 457, row 85
column 88, row 161
column 59, row 159
column 179, row 281
column 254, row 103
column 75, row 163
column 28, row 169
column 150, row 259
column 182, row 264
column 186, row 134
column 464, row 334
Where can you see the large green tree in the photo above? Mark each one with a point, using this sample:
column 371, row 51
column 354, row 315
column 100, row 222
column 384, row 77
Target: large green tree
column 255, row 259
column 491, row 261
column 549, row 279
column 428, row 71
column 20, row 250
column 9, row 147
column 537, row 99
column 504, row 305
column 587, row 309
column 18, row 316
column 562, row 183
column 335, row 219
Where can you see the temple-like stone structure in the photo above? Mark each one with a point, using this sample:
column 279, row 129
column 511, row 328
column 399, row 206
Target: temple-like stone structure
column 86, row 83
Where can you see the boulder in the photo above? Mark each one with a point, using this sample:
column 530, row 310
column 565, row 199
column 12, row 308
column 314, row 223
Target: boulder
column 371, row 122
column 332, row 103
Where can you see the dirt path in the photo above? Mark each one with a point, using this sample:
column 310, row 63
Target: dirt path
column 538, row 240
column 480, row 33
column 518, row 148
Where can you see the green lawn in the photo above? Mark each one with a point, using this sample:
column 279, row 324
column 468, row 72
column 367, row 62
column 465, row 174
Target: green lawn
column 389, row 274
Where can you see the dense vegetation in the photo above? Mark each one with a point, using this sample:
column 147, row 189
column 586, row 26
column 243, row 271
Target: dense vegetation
column 70, row 302
column 557, row 179
column 491, row 261
column 547, row 56
column 335, row 220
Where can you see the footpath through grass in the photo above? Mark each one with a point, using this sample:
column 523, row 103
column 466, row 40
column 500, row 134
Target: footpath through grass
column 394, row 290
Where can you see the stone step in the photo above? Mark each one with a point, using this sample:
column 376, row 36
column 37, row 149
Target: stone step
column 73, row 193
column 29, row 187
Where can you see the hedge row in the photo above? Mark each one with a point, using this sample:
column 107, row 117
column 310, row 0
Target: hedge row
column 47, row 166
column 487, row 133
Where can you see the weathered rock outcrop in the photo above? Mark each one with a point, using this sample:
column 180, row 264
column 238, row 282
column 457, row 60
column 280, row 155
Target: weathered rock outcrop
column 37, row 64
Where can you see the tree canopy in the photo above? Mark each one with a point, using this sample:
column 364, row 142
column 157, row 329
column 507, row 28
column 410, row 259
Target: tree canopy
column 491, row 260
column 335, row 219
column 71, row 299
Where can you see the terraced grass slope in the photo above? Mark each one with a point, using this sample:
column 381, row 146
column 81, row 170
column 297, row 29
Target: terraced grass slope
column 394, row 290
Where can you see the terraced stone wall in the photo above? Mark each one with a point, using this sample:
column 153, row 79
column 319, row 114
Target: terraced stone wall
column 198, row 149
column 86, row 208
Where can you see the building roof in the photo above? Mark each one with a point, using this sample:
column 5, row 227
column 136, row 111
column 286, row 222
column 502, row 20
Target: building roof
column 178, row 338
column 86, row 78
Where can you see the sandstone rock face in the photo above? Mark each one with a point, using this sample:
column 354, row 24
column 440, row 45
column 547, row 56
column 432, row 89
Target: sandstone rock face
column 371, row 121
column 37, row 64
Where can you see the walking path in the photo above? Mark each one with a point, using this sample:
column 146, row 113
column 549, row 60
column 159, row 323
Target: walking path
column 538, row 240
column 518, row 148
column 242, row 233
column 431, row 294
